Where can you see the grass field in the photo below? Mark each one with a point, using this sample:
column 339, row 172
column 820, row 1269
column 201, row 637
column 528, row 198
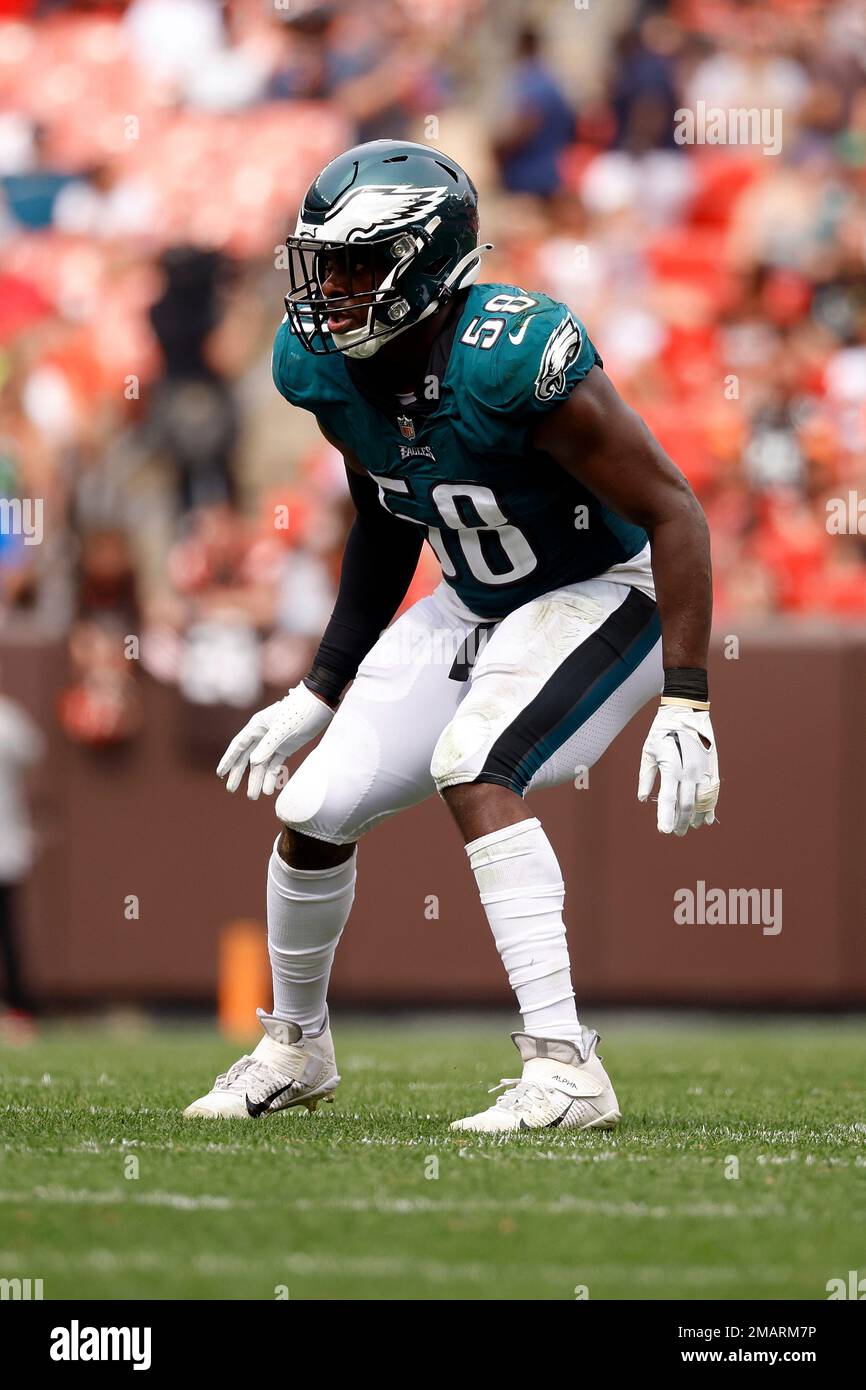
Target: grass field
column 344, row 1204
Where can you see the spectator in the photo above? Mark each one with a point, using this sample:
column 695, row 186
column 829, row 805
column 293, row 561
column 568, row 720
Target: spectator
column 539, row 125
column 105, row 204
column 643, row 89
column 193, row 415
column 32, row 186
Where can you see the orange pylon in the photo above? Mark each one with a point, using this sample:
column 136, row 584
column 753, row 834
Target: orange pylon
column 244, row 978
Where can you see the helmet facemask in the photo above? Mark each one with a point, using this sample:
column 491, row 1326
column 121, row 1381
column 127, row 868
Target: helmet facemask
column 367, row 271
column 371, row 272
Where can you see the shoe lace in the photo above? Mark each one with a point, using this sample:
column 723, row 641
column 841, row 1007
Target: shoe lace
column 521, row 1092
column 235, row 1078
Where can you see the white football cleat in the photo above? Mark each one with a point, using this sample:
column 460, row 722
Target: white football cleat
column 563, row 1086
column 285, row 1069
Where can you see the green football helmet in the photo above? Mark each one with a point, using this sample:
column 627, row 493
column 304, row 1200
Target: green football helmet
column 392, row 229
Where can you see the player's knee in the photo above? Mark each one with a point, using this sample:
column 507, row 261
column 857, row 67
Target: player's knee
column 444, row 762
column 303, row 798
column 456, row 755
column 313, row 805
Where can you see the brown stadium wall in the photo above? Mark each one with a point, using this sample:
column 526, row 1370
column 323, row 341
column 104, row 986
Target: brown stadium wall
column 151, row 820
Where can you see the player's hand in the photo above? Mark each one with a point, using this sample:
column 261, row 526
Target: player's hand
column 270, row 737
column 681, row 746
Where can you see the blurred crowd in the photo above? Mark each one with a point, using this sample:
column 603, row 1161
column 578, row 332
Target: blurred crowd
column 152, row 157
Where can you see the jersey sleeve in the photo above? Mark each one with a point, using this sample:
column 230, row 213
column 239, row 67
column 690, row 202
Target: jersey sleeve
column 540, row 356
column 311, row 382
column 288, row 368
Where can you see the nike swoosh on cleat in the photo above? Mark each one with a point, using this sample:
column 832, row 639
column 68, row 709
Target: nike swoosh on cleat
column 257, row 1108
column 554, row 1124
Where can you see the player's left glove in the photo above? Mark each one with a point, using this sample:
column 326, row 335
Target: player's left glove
column 681, row 746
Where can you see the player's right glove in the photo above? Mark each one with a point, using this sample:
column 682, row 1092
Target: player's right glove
column 270, row 737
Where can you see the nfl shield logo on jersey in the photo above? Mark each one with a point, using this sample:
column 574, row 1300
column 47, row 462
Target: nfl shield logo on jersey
column 407, row 428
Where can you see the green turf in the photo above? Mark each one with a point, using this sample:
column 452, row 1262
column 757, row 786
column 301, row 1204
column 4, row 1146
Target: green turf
column 343, row 1204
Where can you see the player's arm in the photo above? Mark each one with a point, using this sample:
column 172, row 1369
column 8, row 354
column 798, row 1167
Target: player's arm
column 379, row 560
column 603, row 443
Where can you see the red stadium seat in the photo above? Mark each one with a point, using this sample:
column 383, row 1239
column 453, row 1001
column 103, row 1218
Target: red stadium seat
column 722, row 179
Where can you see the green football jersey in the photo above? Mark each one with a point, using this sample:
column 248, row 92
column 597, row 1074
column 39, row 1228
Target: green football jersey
column 506, row 522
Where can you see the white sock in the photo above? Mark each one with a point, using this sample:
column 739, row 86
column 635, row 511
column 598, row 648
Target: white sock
column 521, row 888
column 307, row 911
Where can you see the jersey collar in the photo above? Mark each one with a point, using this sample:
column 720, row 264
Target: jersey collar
column 376, row 391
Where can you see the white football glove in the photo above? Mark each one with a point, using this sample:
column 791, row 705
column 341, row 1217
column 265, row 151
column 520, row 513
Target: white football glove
column 681, row 746
column 270, row 737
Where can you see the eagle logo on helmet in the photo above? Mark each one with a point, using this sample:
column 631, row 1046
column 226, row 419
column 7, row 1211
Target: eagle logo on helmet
column 363, row 212
column 560, row 350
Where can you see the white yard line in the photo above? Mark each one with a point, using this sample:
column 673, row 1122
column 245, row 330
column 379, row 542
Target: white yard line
column 178, row 1201
column 217, row 1263
column 407, row 1206
column 513, row 1150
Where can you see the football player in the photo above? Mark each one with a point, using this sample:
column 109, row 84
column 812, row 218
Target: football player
column 575, row 587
